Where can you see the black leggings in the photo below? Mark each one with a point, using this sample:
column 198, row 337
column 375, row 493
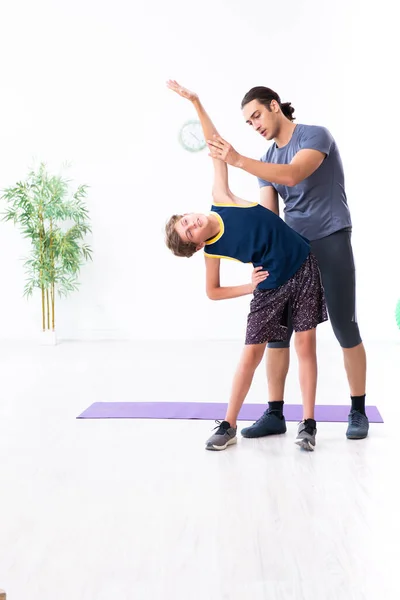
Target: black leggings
column 336, row 263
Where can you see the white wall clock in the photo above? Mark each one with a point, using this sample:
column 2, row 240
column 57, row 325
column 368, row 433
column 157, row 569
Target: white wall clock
column 191, row 136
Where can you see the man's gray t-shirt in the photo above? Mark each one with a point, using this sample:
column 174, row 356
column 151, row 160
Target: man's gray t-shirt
column 317, row 206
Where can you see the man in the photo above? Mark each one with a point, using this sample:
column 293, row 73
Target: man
column 304, row 167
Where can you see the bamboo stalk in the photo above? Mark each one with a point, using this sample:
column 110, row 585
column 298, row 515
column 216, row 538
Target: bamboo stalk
column 43, row 311
column 48, row 308
column 52, row 308
column 41, row 234
column 52, row 276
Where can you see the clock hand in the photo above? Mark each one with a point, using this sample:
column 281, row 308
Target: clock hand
column 196, row 138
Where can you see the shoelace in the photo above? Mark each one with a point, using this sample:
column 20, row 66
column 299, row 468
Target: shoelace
column 356, row 418
column 221, row 427
column 264, row 416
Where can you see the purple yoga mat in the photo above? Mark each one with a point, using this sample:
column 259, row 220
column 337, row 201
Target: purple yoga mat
column 210, row 411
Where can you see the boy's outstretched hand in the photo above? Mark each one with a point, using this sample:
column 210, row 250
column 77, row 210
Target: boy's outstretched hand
column 185, row 93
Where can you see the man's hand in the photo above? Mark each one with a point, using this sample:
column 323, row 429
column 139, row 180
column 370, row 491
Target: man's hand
column 258, row 276
column 181, row 91
column 222, row 150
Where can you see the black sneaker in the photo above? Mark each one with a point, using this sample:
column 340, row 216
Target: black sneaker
column 223, row 437
column 358, row 426
column 268, row 424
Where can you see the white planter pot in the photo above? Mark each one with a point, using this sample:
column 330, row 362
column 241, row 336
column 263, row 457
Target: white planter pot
column 48, row 338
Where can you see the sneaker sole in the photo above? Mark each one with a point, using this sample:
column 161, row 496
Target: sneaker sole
column 263, row 435
column 356, row 437
column 224, row 447
column 306, row 445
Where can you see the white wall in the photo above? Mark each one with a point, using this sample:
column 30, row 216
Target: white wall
column 84, row 81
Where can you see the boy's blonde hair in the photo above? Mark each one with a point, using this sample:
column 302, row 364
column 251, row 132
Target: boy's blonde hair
column 174, row 242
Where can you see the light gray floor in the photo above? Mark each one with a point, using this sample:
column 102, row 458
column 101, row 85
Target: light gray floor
column 125, row 509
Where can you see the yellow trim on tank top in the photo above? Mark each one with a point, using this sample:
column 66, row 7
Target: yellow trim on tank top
column 221, row 231
column 250, row 205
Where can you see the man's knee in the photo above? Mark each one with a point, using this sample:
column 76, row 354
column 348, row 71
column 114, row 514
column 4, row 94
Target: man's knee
column 347, row 334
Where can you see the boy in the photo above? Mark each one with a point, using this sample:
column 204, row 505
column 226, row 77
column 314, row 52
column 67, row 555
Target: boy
column 286, row 277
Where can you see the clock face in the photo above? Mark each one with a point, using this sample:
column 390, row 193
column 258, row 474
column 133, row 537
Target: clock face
column 191, row 136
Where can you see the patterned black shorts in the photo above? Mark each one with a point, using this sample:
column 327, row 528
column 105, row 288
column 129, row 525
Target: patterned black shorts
column 267, row 320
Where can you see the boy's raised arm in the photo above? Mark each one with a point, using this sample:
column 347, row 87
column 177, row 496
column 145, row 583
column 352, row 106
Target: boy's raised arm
column 220, row 186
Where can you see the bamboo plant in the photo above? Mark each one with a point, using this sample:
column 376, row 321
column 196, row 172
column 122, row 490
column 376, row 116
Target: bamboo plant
column 55, row 220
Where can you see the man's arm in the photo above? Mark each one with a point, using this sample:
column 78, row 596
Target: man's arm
column 220, row 189
column 304, row 163
column 269, row 198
